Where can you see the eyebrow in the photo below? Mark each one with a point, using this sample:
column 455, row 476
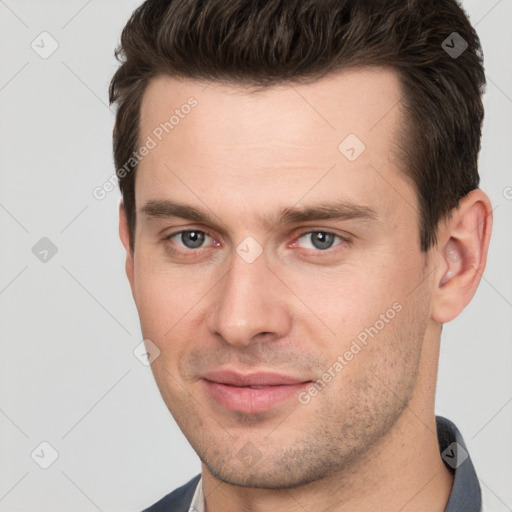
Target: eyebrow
column 339, row 210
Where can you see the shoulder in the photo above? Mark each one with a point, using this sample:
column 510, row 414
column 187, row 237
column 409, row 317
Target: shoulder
column 181, row 497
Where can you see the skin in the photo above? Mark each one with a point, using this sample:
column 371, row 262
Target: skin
column 368, row 440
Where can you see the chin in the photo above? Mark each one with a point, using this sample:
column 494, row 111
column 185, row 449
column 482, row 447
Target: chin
column 282, row 475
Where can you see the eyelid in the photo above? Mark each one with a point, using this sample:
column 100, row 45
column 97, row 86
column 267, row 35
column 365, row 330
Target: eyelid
column 168, row 237
column 344, row 240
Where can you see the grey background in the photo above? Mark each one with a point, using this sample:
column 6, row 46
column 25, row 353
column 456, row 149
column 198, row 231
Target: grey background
column 68, row 326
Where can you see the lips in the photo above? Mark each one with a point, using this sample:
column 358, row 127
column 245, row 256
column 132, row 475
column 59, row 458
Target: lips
column 252, row 393
column 254, row 379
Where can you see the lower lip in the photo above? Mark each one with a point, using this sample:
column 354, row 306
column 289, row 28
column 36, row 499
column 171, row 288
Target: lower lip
column 249, row 400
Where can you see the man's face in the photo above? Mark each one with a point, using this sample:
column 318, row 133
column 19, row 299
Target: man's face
column 252, row 289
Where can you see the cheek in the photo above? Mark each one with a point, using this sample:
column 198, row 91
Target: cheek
column 370, row 313
column 355, row 296
column 164, row 294
column 153, row 302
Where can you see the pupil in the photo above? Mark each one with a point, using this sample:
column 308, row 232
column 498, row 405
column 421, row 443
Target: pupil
column 322, row 240
column 192, row 239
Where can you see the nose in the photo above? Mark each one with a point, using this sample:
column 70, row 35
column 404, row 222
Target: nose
column 250, row 304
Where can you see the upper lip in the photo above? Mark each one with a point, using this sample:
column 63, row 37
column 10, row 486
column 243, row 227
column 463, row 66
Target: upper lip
column 232, row 378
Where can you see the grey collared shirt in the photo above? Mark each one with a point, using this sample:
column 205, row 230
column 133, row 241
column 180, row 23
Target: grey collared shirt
column 465, row 496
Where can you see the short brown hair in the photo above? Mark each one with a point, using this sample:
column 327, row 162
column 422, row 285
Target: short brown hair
column 265, row 42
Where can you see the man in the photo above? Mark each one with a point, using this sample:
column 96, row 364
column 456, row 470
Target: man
column 301, row 215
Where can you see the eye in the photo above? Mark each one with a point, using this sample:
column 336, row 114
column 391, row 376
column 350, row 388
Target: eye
column 190, row 239
column 193, row 240
column 320, row 240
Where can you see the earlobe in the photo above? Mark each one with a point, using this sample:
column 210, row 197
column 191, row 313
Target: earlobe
column 463, row 247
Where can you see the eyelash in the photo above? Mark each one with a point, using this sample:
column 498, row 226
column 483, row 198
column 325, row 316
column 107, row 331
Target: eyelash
column 193, row 252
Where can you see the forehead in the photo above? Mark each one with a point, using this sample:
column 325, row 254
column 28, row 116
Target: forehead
column 332, row 137
column 353, row 101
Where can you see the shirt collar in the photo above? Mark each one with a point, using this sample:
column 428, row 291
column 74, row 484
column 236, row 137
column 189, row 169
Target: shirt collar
column 198, row 502
column 465, row 496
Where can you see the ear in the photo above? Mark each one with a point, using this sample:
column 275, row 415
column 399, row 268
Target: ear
column 124, row 234
column 461, row 255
